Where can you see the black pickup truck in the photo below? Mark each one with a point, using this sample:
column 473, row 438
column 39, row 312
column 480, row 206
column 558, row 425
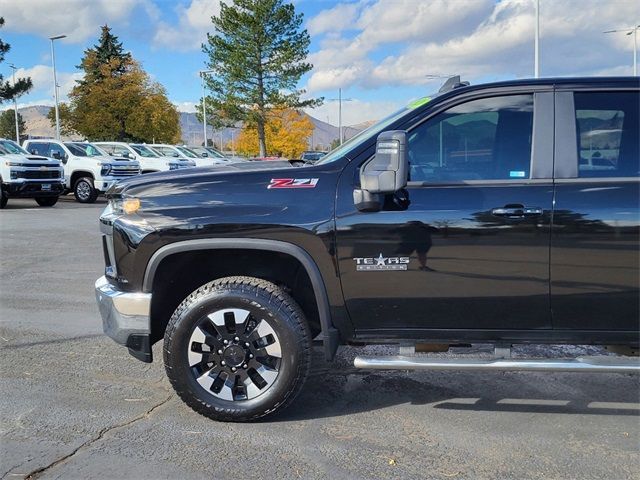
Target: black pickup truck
column 502, row 213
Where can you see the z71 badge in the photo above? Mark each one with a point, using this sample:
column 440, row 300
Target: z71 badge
column 293, row 183
column 368, row 264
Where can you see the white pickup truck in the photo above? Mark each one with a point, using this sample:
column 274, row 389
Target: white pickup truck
column 28, row 176
column 88, row 171
column 150, row 161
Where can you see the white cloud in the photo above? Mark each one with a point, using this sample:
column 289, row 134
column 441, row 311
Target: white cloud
column 190, row 33
column 335, row 19
column 188, row 107
column 403, row 42
column 42, row 78
column 78, row 19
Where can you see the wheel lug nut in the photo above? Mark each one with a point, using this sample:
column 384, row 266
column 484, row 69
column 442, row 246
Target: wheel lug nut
column 222, row 362
column 237, row 339
column 225, row 341
column 244, row 366
column 246, row 344
column 251, row 355
column 233, row 369
column 219, row 352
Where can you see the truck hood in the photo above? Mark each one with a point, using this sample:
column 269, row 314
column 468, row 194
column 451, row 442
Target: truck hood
column 197, row 174
column 30, row 159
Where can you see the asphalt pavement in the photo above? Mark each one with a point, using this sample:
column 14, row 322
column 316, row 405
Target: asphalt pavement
column 73, row 404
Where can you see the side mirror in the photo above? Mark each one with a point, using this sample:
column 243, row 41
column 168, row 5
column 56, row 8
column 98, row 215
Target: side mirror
column 205, row 154
column 125, row 154
column 175, row 154
column 56, row 154
column 385, row 173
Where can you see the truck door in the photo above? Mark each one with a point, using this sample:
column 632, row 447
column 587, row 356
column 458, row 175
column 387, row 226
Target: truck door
column 595, row 264
column 467, row 245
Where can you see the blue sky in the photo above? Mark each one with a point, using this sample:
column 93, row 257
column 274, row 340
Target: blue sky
column 382, row 53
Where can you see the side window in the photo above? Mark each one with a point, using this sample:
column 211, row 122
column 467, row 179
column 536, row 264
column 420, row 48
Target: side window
column 607, row 134
column 486, row 139
column 56, row 148
column 119, row 150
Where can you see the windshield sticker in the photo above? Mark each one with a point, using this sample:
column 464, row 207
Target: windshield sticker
column 419, row 102
column 293, row 183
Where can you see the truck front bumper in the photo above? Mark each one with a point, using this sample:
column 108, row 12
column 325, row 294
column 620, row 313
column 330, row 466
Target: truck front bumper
column 125, row 317
column 30, row 189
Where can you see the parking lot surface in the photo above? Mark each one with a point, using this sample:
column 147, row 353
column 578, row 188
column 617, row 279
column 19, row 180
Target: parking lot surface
column 75, row 405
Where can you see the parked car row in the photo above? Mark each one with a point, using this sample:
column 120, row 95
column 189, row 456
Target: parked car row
column 46, row 168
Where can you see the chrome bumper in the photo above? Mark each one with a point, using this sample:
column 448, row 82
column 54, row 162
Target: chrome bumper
column 123, row 313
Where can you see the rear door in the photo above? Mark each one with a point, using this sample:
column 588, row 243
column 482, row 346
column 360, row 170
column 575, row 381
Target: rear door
column 467, row 245
column 595, row 261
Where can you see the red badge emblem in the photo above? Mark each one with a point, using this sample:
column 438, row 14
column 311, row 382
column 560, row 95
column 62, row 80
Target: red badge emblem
column 293, row 183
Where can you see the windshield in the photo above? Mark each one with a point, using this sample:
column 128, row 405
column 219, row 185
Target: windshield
column 144, row 151
column 12, row 147
column 214, row 152
column 187, row 152
column 83, row 149
column 372, row 131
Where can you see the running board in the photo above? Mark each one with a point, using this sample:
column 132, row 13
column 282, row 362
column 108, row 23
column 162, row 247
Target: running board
column 580, row 364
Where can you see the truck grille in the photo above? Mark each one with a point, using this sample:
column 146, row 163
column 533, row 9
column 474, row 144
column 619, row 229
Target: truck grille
column 38, row 174
column 125, row 171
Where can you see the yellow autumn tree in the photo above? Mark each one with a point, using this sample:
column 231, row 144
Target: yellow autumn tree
column 287, row 134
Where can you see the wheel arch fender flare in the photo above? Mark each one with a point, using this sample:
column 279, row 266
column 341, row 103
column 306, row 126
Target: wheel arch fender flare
column 329, row 334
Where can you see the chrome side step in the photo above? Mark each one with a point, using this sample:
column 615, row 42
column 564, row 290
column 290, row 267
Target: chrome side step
column 580, row 364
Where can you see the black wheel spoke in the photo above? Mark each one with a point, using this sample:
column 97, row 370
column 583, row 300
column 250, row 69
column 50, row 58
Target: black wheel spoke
column 234, row 356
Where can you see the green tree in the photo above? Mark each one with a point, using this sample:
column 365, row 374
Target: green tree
column 108, row 51
column 8, row 124
column 117, row 100
column 9, row 91
column 257, row 55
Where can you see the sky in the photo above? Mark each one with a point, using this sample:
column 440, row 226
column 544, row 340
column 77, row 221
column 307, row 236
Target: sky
column 381, row 53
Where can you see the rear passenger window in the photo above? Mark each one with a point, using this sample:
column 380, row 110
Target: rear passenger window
column 486, row 139
column 607, row 134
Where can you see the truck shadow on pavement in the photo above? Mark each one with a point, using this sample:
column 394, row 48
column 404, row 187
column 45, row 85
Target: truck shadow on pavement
column 331, row 392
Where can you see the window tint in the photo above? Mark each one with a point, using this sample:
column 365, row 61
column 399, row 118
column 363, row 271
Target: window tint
column 486, row 139
column 607, row 134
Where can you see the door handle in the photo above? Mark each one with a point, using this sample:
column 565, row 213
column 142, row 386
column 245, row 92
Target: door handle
column 517, row 211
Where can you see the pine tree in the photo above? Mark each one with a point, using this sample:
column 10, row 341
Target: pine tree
column 257, row 55
column 117, row 100
column 8, row 91
column 108, row 51
column 8, row 124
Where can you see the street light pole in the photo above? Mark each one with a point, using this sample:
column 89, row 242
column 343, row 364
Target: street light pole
column 204, row 104
column 630, row 31
column 15, row 103
column 537, row 42
column 55, row 83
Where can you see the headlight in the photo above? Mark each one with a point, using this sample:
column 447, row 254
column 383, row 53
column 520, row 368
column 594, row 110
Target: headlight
column 13, row 164
column 105, row 170
column 173, row 166
column 126, row 206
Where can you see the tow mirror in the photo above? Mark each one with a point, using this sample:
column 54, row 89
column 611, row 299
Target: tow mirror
column 385, row 173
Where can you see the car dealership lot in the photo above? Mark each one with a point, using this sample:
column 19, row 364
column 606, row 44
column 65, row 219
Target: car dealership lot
column 75, row 405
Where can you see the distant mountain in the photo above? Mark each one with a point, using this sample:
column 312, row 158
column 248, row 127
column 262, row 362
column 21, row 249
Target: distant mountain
column 38, row 125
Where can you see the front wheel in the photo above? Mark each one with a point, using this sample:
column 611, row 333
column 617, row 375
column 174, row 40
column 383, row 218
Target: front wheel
column 46, row 201
column 84, row 190
column 3, row 198
column 237, row 349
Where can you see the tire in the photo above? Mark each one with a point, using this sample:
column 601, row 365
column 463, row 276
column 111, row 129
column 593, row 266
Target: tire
column 84, row 190
column 221, row 349
column 3, row 198
column 47, row 201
